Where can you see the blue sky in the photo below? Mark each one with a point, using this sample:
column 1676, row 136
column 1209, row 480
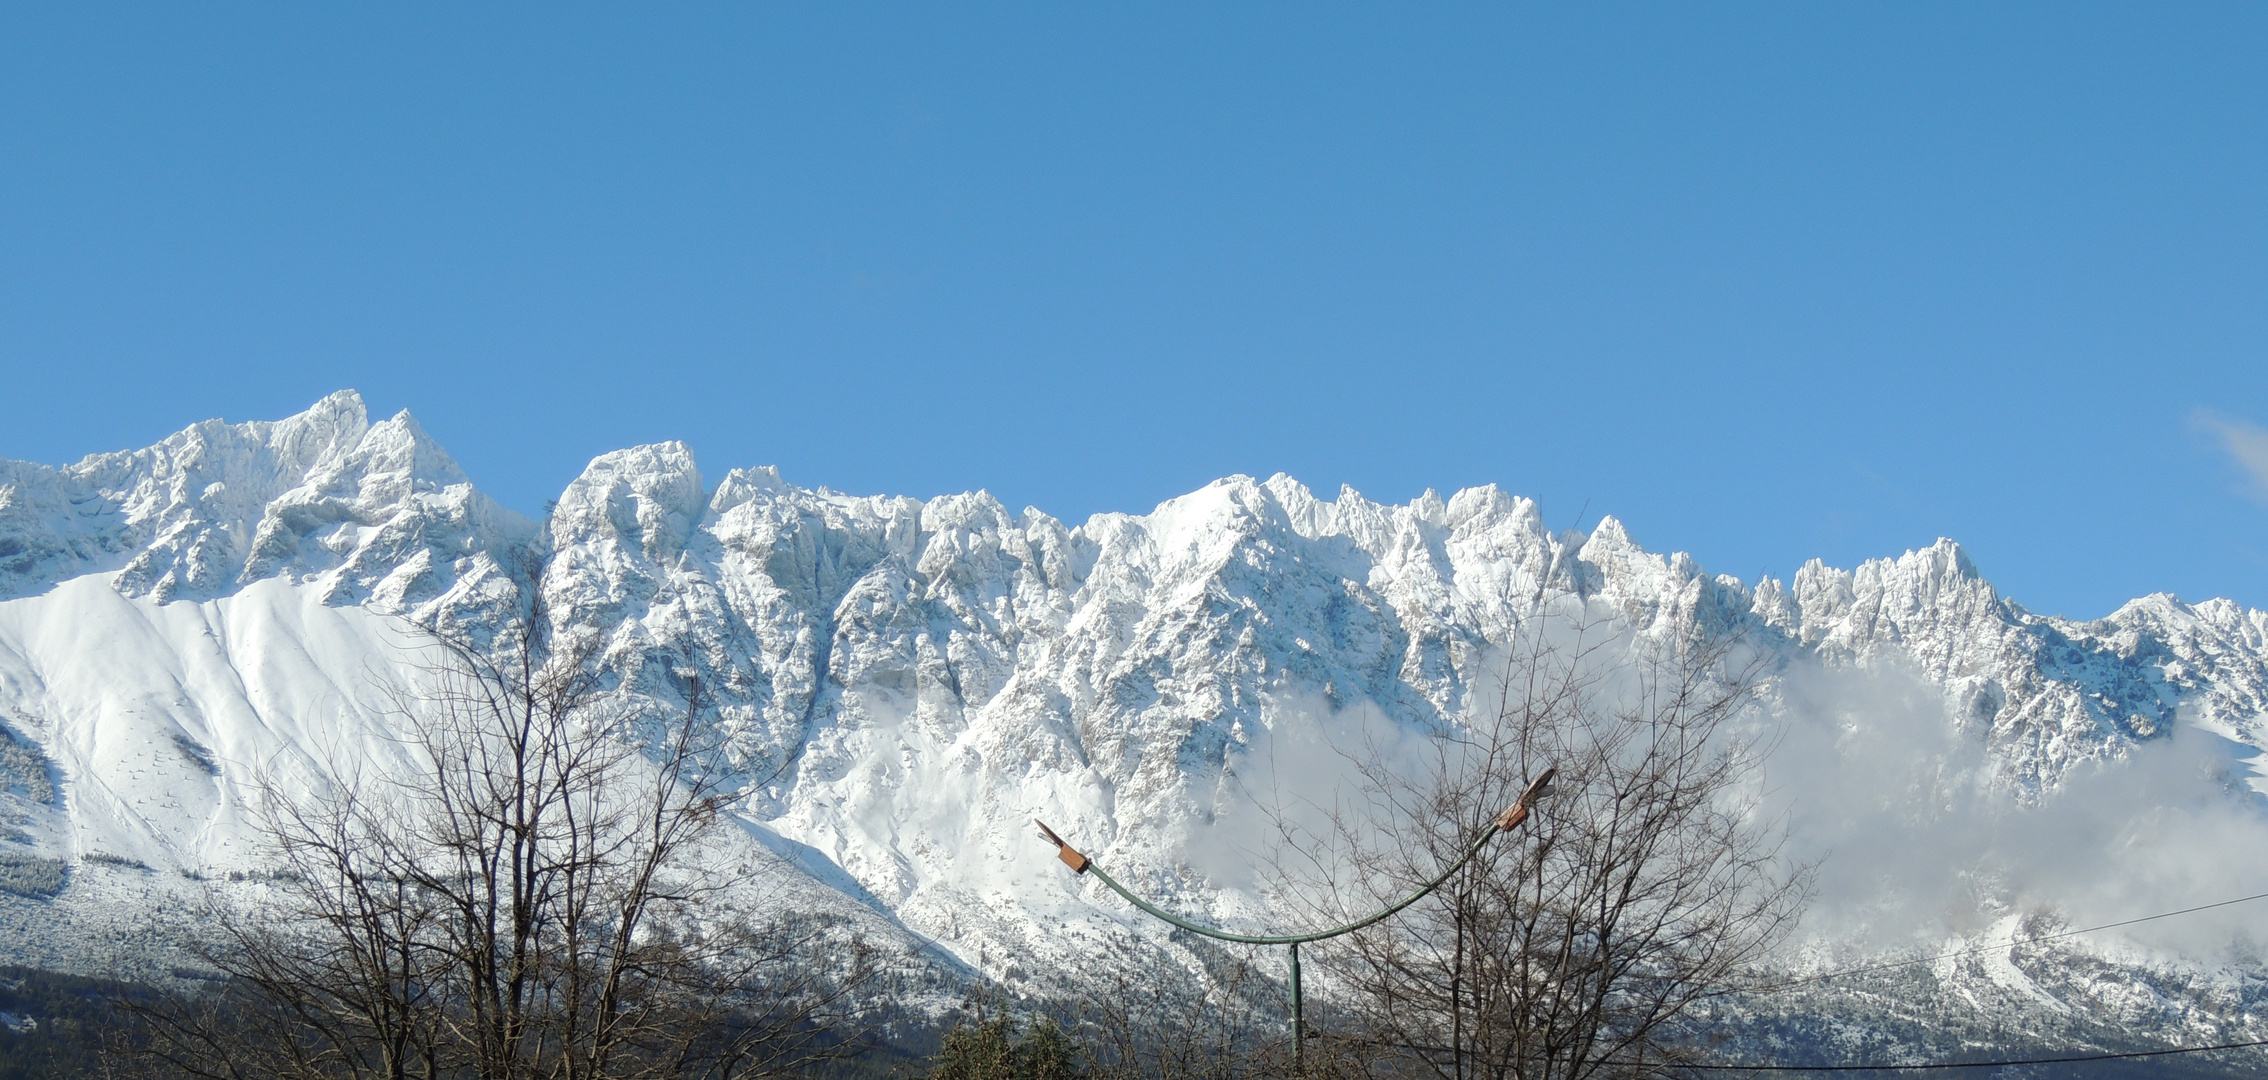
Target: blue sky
column 1767, row 282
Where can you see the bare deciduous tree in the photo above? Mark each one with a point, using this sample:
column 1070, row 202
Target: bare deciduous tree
column 1158, row 1029
column 1580, row 945
column 531, row 899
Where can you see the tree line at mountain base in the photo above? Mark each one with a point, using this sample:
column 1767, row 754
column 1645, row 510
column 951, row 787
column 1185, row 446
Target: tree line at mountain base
column 61, row 1026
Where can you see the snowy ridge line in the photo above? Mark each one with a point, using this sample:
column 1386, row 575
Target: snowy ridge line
column 379, row 514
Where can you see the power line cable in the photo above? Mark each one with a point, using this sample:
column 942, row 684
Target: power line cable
column 1922, row 1067
column 1892, row 964
column 1940, row 1065
column 1976, row 1064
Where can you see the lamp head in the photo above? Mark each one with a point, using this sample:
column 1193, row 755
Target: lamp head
column 1063, row 851
column 1516, row 813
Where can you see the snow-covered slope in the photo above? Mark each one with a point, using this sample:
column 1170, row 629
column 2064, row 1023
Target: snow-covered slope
column 903, row 684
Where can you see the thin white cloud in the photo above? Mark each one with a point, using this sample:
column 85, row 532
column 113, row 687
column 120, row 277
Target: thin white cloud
column 2246, row 443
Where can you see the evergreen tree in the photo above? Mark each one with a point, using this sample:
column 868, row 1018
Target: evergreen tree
column 1046, row 1053
column 991, row 1050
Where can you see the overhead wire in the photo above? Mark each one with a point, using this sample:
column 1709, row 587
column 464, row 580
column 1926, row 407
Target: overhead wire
column 1888, row 965
column 1978, row 1064
column 1946, row 1065
column 1915, row 1067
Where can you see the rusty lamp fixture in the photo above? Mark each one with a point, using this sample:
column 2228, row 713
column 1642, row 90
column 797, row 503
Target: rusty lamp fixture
column 1505, row 822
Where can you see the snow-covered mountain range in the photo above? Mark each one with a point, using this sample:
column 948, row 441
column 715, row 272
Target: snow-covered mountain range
column 905, row 683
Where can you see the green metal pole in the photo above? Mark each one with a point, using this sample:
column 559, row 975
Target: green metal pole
column 1298, row 1018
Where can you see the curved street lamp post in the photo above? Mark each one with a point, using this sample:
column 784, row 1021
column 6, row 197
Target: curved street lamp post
column 1505, row 822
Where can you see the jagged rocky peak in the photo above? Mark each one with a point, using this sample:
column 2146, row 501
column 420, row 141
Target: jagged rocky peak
column 374, row 510
column 646, row 500
column 1890, row 600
